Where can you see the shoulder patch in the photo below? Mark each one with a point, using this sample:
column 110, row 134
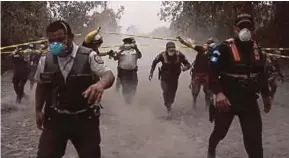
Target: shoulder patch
column 98, row 59
column 214, row 59
column 216, row 52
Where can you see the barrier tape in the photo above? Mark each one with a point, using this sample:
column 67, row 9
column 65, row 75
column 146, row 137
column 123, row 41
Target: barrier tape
column 149, row 45
column 116, row 33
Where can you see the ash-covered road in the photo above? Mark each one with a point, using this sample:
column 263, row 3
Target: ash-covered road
column 142, row 130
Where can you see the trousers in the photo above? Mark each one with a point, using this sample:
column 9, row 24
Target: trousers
column 81, row 129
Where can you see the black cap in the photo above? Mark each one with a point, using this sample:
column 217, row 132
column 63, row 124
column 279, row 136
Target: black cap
column 170, row 45
column 245, row 20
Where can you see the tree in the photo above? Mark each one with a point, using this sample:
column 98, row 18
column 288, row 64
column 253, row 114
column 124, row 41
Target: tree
column 21, row 21
column 199, row 19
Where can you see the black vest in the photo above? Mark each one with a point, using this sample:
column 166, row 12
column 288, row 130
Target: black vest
column 68, row 95
column 171, row 66
column 251, row 61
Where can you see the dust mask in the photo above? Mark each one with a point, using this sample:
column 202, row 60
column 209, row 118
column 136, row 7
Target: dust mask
column 245, row 35
column 171, row 53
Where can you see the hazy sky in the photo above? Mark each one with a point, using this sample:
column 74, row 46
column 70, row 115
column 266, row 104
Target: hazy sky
column 142, row 14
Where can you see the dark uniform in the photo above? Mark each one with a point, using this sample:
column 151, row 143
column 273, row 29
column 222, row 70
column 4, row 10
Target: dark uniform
column 169, row 72
column 68, row 115
column 127, row 68
column 238, row 72
column 273, row 69
column 20, row 73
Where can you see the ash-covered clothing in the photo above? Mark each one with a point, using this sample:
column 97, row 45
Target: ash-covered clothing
column 127, row 70
column 169, row 74
column 201, row 63
column 171, row 65
column 128, row 57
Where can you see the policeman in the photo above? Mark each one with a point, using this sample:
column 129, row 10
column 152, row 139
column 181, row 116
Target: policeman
column 200, row 71
column 127, row 57
column 20, row 73
column 172, row 61
column 274, row 71
column 237, row 75
column 68, row 95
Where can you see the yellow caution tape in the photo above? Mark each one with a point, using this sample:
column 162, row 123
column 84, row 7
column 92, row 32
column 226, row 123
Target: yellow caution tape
column 116, row 33
column 141, row 36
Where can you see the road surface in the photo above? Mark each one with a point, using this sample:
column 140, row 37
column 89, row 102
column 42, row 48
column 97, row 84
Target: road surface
column 143, row 130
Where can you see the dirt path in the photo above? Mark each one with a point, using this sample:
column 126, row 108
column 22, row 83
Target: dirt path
column 143, row 130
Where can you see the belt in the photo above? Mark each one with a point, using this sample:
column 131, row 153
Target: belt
column 244, row 76
column 64, row 111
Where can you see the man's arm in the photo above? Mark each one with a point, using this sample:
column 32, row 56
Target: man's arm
column 39, row 97
column 182, row 41
column 100, row 69
column 40, row 87
column 185, row 61
column 139, row 54
column 155, row 62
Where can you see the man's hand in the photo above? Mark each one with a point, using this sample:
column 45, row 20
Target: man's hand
column 94, row 92
column 185, row 68
column 180, row 39
column 222, row 102
column 39, row 120
column 134, row 46
column 150, row 76
column 267, row 101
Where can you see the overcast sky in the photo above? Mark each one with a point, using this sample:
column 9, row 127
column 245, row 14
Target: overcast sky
column 142, row 14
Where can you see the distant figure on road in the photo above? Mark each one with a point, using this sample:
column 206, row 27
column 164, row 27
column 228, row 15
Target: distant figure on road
column 173, row 62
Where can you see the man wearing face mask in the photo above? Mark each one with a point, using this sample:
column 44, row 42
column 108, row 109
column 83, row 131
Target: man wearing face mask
column 172, row 61
column 127, row 58
column 200, row 70
column 237, row 75
column 69, row 96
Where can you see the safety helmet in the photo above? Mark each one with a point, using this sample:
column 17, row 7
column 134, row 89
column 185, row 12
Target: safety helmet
column 93, row 37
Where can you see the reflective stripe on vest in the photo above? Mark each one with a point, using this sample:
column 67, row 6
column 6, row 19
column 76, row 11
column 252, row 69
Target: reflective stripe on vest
column 235, row 51
column 166, row 59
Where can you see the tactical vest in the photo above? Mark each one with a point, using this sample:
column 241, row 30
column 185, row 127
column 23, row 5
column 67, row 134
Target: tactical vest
column 238, row 66
column 171, row 68
column 68, row 95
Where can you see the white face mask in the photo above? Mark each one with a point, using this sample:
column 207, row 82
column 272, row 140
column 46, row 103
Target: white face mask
column 171, row 53
column 245, row 35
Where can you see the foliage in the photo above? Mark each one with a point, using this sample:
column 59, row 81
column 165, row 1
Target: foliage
column 200, row 20
column 22, row 21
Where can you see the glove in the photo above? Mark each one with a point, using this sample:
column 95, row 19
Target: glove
column 110, row 53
